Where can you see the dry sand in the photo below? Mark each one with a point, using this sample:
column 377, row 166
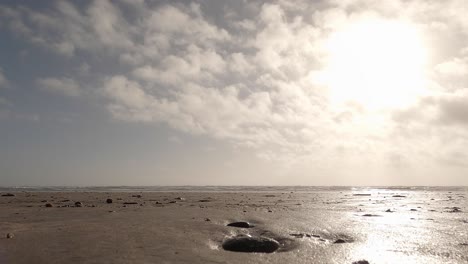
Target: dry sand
column 384, row 226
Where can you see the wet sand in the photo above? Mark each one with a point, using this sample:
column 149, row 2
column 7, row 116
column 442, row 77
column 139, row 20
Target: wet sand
column 377, row 226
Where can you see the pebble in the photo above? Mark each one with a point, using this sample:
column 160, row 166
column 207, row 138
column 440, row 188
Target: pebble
column 370, row 215
column 48, row 205
column 361, row 262
column 339, row 241
column 109, row 200
column 10, row 235
column 8, row 195
column 78, row 204
column 240, row 224
column 251, row 244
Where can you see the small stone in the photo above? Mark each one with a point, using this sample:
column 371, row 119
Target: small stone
column 361, row 262
column 8, row 194
column 10, row 235
column 109, row 200
column 370, row 215
column 399, row 196
column 78, row 204
column 180, row 199
column 413, row 210
column 44, row 201
column 48, row 205
column 339, row 241
column 137, row 195
column 240, row 224
column 207, row 220
column 299, row 235
column 388, row 211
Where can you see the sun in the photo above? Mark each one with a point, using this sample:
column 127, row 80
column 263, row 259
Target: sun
column 376, row 63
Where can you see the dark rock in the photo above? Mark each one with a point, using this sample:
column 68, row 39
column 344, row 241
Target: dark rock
column 399, row 196
column 109, row 200
column 137, row 195
column 180, row 198
column 362, row 194
column 64, row 201
column 389, row 211
column 48, row 205
column 300, row 235
column 251, row 244
column 207, row 220
column 173, row 202
column 8, row 194
column 413, row 210
column 339, row 241
column 130, row 203
column 78, row 204
column 361, row 262
column 370, row 215
column 240, row 224
column 204, row 200
column 10, row 235
column 454, row 210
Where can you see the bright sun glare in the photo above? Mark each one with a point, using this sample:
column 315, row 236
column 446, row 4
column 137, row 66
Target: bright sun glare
column 376, row 63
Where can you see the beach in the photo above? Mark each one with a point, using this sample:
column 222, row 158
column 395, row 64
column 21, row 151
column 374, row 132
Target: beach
column 317, row 225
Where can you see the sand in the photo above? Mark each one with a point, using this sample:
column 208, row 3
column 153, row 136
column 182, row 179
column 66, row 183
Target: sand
column 329, row 226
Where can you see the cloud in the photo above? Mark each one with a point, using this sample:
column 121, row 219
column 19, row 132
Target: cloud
column 245, row 79
column 454, row 67
column 4, row 102
column 3, row 80
column 62, row 86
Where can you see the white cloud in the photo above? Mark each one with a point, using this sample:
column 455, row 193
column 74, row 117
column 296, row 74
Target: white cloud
column 244, row 80
column 63, row 86
column 454, row 67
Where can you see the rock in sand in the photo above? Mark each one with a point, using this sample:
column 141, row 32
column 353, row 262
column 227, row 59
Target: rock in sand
column 240, row 224
column 251, row 244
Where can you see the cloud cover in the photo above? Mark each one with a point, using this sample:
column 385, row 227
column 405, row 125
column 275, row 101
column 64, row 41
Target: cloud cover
column 241, row 73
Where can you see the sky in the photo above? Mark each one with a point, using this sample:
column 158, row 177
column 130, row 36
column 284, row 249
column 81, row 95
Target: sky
column 218, row 92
